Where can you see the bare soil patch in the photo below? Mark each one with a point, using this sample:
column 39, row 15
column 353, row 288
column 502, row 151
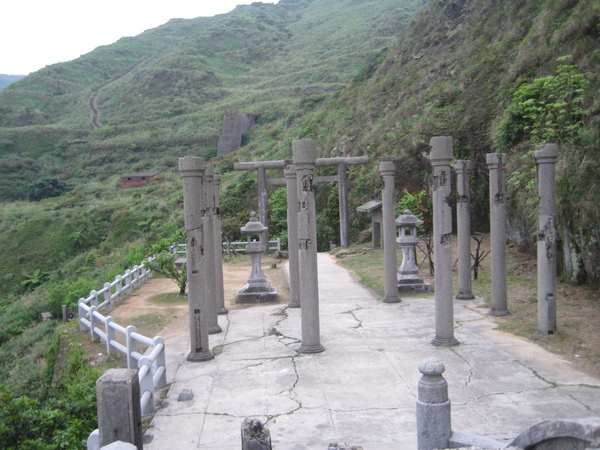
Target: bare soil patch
column 152, row 317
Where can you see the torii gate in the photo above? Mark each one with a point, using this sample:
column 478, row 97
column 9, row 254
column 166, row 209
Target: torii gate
column 262, row 166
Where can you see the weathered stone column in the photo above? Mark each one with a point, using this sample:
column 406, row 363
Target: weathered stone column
column 304, row 158
column 209, row 251
column 218, row 242
column 192, row 171
column 463, row 219
column 545, row 157
column 292, row 225
column 119, row 410
column 263, row 202
column 343, row 206
column 434, row 421
column 441, row 155
column 387, row 169
column 498, row 235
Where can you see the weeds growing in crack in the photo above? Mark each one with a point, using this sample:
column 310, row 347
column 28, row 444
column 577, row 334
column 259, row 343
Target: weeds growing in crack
column 351, row 312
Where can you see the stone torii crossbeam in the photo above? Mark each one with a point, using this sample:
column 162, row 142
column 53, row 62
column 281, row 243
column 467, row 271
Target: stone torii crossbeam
column 262, row 166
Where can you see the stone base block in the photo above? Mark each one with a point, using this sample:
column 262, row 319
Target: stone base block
column 411, row 288
column 257, row 297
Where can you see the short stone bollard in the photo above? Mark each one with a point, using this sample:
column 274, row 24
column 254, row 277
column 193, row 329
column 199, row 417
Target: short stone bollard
column 119, row 410
column 434, row 426
column 255, row 436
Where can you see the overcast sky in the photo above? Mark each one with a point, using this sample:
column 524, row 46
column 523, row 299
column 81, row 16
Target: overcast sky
column 37, row 33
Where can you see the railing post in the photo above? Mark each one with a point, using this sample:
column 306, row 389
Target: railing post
column 128, row 284
column 131, row 345
column 94, row 295
column 119, row 287
column 81, row 313
column 110, row 335
column 93, row 323
column 136, row 277
column 147, row 385
column 150, row 273
column 108, row 296
column 161, row 361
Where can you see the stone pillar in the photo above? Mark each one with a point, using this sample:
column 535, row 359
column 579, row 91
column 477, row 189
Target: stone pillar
column 292, row 223
column 192, row 171
column 209, row 251
column 218, row 242
column 387, row 169
column 441, row 156
column 263, row 202
column 545, row 157
column 498, row 235
column 343, row 206
column 304, row 158
column 463, row 219
column 434, row 425
column 119, row 410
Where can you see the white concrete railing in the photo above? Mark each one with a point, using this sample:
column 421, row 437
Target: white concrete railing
column 238, row 247
column 152, row 368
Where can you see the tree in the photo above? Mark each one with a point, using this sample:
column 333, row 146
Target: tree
column 165, row 265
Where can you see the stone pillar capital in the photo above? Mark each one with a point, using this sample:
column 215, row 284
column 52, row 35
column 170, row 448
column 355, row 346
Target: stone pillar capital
column 441, row 150
column 494, row 160
column 304, row 153
column 191, row 166
column 462, row 165
column 387, row 168
column 546, row 154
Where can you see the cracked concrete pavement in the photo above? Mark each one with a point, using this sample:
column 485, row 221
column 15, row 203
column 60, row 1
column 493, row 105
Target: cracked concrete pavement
column 362, row 389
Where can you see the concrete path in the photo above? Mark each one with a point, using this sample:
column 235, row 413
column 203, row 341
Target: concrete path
column 362, row 389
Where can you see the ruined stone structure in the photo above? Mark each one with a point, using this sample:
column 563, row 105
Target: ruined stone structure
column 234, row 127
column 341, row 179
column 192, row 172
column 441, row 156
column 387, row 169
column 545, row 157
column 304, row 159
column 498, row 234
column 463, row 219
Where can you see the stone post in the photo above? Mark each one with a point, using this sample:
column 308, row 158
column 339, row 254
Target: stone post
column 218, row 242
column 434, row 425
column 292, row 223
column 387, row 169
column 255, row 436
column 498, row 235
column 304, row 158
column 441, row 156
column 545, row 157
column 263, row 203
column 192, row 171
column 119, row 410
column 209, row 251
column 343, row 206
column 463, row 219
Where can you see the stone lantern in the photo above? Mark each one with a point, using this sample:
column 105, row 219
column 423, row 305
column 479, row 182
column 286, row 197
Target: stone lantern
column 409, row 279
column 257, row 289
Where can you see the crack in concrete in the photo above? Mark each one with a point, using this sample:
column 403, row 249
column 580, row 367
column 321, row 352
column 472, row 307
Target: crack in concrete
column 537, row 374
column 351, row 312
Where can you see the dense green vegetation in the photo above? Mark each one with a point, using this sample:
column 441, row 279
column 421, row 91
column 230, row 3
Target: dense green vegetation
column 496, row 76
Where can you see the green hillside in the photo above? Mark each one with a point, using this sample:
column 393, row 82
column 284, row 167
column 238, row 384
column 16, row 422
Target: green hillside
column 497, row 76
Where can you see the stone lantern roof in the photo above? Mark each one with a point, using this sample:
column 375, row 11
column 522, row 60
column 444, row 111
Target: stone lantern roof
column 408, row 219
column 254, row 226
